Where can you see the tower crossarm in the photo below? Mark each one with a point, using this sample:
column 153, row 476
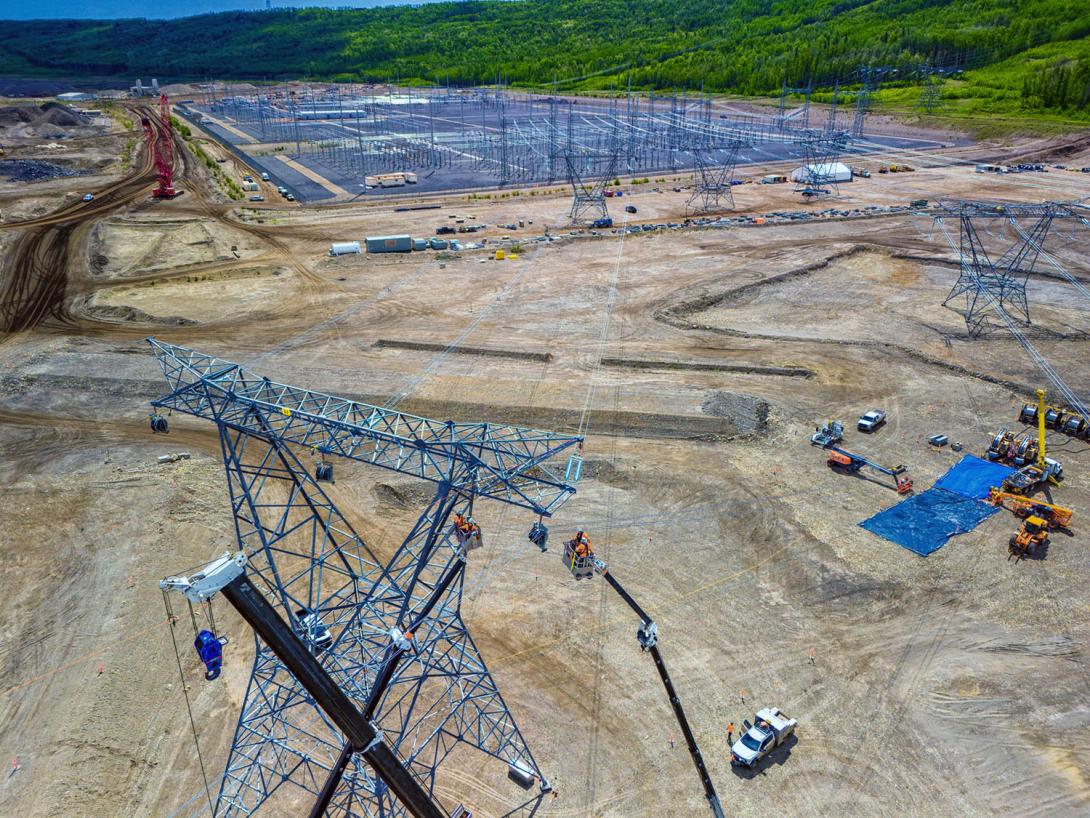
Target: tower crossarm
column 506, row 463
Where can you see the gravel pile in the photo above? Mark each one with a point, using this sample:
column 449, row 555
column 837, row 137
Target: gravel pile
column 748, row 413
column 33, row 170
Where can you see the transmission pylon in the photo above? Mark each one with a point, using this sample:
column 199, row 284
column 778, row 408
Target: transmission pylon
column 589, row 175
column 365, row 678
column 806, row 92
column 931, row 100
column 714, row 171
column 990, row 287
column 869, row 80
column 822, row 149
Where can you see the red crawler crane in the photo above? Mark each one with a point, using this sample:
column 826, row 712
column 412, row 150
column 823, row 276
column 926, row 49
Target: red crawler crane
column 160, row 139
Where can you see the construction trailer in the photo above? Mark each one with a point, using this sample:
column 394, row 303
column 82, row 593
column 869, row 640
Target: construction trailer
column 389, row 244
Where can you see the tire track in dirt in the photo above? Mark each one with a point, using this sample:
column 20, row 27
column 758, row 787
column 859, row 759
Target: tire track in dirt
column 34, row 279
column 677, row 314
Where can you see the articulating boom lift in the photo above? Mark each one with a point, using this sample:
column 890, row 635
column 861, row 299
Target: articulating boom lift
column 365, row 678
column 580, row 560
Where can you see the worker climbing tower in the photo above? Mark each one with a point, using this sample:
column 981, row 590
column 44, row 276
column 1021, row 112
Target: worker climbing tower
column 366, row 679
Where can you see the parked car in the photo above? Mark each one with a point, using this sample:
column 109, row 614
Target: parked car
column 629, row 208
column 257, row 198
column 870, row 421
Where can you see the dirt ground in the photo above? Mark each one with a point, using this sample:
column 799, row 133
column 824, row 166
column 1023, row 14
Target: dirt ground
column 952, row 685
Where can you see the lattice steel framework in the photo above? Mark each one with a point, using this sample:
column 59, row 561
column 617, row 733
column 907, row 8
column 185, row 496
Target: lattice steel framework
column 822, row 151
column 431, row 696
column 988, row 286
column 712, row 180
column 588, row 177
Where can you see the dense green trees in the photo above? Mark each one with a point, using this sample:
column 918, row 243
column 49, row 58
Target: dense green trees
column 741, row 46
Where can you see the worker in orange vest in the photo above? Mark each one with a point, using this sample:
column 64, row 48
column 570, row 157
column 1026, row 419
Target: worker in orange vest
column 463, row 526
column 582, row 544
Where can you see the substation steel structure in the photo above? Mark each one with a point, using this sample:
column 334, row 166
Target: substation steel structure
column 365, row 678
column 512, row 138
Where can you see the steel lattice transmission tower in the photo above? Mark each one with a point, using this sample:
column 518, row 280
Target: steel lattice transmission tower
column 931, row 99
column 822, row 151
column 712, row 179
column 588, row 184
column 870, row 77
column 388, row 634
column 988, row 286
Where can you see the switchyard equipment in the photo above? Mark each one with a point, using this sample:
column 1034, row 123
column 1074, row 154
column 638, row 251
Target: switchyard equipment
column 848, row 463
column 580, row 560
column 160, row 139
column 511, row 138
column 365, row 678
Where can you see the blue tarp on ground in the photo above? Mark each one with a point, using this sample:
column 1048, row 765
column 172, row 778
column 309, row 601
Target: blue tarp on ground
column 952, row 506
column 972, row 477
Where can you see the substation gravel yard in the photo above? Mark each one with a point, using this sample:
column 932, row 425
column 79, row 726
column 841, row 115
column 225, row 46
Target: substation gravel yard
column 952, row 685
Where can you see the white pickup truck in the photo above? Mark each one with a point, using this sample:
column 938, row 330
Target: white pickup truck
column 769, row 730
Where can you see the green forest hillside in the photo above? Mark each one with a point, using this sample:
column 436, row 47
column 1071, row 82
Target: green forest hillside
column 1029, row 57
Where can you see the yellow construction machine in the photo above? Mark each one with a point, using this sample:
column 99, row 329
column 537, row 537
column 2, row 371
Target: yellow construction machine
column 1024, row 507
column 1032, row 475
column 1033, row 533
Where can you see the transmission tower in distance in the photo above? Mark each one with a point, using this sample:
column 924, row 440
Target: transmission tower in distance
column 589, row 185
column 931, row 100
column 714, row 170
